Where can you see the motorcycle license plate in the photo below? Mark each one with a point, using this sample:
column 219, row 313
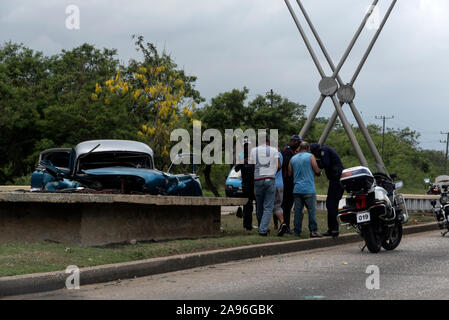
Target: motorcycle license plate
column 363, row 217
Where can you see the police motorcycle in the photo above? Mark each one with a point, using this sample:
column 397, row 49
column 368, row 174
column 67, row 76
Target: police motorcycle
column 441, row 211
column 433, row 188
column 373, row 208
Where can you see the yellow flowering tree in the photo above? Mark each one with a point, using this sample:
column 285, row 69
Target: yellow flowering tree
column 162, row 97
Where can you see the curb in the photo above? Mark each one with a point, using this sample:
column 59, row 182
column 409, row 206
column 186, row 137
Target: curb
column 42, row 282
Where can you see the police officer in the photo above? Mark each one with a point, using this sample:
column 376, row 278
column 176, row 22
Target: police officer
column 287, row 201
column 329, row 160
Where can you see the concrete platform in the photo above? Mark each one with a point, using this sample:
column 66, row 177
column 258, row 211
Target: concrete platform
column 102, row 219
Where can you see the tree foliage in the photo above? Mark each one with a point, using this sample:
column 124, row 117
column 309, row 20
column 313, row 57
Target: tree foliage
column 84, row 94
column 157, row 94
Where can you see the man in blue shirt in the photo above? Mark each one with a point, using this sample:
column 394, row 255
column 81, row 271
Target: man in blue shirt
column 287, row 202
column 303, row 167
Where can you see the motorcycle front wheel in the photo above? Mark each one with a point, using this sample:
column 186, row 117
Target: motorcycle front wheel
column 372, row 239
column 393, row 238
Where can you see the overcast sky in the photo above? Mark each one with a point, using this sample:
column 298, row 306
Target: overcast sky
column 254, row 43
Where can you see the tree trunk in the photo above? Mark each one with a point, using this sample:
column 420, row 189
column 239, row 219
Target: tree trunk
column 209, row 183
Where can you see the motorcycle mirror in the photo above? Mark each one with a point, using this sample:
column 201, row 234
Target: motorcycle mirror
column 433, row 203
column 426, row 180
column 398, row 185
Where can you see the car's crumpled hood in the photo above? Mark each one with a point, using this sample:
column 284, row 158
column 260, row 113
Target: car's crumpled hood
column 154, row 179
column 141, row 172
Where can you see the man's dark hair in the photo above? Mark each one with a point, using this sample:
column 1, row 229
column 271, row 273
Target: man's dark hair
column 315, row 148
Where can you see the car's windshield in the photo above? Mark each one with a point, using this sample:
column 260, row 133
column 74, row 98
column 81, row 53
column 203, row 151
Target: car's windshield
column 60, row 159
column 115, row 159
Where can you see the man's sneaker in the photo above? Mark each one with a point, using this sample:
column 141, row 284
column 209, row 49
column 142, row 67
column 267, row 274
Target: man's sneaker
column 331, row 234
column 282, row 230
column 315, row 235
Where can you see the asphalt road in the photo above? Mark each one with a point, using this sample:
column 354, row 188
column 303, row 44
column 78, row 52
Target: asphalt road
column 417, row 269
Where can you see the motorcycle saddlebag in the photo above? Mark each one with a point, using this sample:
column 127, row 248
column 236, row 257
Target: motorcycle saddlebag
column 357, row 180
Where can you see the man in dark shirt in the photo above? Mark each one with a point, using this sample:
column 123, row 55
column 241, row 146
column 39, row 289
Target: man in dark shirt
column 329, row 160
column 287, row 201
column 247, row 186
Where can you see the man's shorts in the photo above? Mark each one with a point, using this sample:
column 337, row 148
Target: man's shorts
column 278, row 200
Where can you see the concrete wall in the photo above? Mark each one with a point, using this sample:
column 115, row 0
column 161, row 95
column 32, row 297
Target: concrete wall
column 97, row 220
column 102, row 219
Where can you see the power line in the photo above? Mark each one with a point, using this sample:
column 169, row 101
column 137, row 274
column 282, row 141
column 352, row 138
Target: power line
column 411, row 125
column 429, row 141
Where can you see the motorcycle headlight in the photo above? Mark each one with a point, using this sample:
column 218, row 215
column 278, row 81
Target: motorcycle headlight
column 444, row 200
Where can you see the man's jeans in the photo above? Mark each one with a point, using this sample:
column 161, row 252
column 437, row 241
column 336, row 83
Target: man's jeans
column 265, row 191
column 309, row 200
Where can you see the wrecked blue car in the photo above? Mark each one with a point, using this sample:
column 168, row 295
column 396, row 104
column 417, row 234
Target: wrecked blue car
column 109, row 166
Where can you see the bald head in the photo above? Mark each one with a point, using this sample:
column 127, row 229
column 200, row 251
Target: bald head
column 304, row 147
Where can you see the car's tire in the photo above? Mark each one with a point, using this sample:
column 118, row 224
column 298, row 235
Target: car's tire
column 394, row 239
column 372, row 239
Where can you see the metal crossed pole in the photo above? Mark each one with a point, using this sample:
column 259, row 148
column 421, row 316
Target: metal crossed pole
column 330, row 86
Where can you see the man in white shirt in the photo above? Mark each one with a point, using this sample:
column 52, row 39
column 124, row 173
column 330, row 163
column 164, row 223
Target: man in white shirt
column 266, row 165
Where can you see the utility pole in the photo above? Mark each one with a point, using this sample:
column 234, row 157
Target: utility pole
column 270, row 96
column 383, row 131
column 447, row 147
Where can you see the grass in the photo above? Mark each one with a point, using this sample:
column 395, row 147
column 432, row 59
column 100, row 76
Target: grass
column 25, row 258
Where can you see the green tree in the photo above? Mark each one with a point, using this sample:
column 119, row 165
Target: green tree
column 72, row 116
column 271, row 111
column 158, row 94
column 23, row 85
